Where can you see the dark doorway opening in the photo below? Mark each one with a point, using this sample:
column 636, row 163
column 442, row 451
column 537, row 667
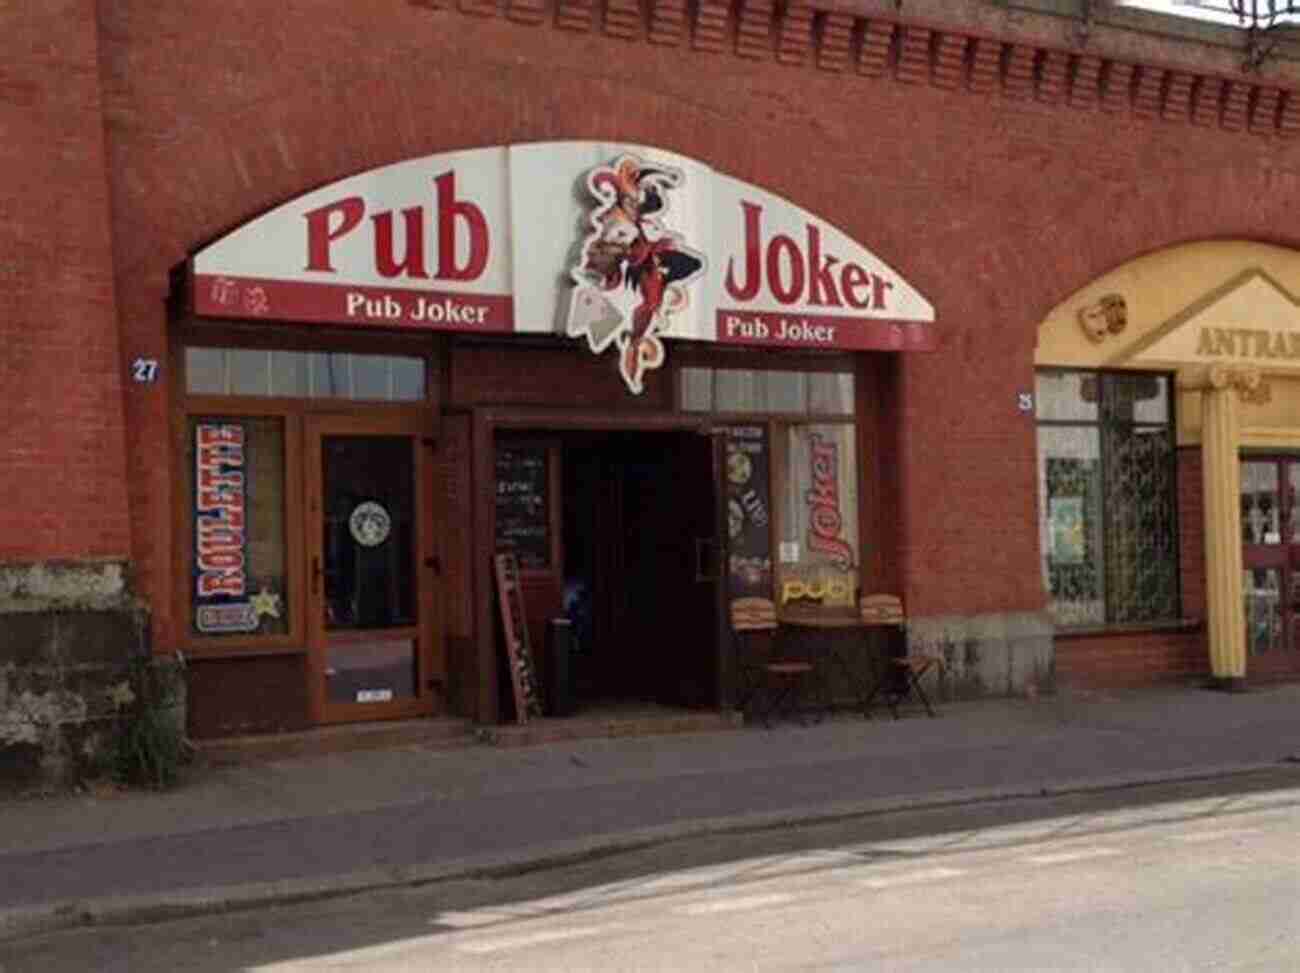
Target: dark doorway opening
column 641, row 566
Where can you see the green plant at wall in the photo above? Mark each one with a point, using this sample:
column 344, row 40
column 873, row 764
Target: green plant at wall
column 150, row 746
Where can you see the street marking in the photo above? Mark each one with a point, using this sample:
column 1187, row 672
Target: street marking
column 912, row 878
column 468, row 920
column 540, row 938
column 679, row 880
column 1214, row 835
column 1064, row 857
column 735, row 905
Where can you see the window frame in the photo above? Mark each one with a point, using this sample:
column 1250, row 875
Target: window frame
column 293, row 413
column 1099, row 423
column 758, row 360
column 865, row 438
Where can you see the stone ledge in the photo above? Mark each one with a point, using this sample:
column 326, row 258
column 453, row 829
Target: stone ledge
column 67, row 631
column 66, row 586
column 1002, row 654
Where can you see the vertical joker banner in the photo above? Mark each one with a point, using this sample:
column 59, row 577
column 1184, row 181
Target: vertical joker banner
column 818, row 552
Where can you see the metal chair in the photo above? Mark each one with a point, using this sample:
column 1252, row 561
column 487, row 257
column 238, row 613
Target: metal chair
column 904, row 669
column 772, row 682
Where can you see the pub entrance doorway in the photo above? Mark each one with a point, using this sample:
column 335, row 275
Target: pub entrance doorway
column 1270, row 528
column 641, row 566
column 635, row 561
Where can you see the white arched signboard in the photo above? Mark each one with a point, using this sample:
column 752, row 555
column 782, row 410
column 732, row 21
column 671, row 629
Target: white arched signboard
column 620, row 245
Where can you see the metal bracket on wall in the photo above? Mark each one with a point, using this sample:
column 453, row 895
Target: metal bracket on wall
column 1263, row 27
column 1083, row 29
column 1257, row 52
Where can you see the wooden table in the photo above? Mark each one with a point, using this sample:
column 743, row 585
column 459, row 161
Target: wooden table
column 865, row 686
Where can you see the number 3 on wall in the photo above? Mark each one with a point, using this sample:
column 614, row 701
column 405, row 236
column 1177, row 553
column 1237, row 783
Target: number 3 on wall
column 144, row 370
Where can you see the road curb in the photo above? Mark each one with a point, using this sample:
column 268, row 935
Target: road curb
column 23, row 922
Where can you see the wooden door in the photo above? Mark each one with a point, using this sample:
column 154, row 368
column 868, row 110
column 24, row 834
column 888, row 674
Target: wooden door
column 375, row 640
column 1270, row 529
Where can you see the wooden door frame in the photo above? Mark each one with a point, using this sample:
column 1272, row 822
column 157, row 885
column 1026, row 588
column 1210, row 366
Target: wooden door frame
column 431, row 662
column 486, row 423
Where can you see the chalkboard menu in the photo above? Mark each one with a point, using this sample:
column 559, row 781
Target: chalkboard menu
column 523, row 510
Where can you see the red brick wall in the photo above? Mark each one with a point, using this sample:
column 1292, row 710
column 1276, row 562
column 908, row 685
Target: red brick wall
column 1133, row 659
column 996, row 200
column 62, row 457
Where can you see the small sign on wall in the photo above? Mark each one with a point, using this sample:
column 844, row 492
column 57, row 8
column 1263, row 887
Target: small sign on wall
column 144, row 371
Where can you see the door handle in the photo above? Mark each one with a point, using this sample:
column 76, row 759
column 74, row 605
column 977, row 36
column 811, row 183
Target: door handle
column 702, row 573
column 315, row 575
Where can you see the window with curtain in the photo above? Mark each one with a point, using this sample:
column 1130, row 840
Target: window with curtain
column 758, row 391
column 792, row 482
column 1108, row 528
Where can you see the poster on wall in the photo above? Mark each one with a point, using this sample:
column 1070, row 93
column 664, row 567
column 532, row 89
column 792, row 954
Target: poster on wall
column 1066, row 540
column 819, row 545
column 222, row 602
column 749, row 516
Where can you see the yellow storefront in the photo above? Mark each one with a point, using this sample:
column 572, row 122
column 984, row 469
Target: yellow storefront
column 1217, row 325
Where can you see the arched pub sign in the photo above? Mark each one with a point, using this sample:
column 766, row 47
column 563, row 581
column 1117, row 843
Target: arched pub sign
column 620, row 245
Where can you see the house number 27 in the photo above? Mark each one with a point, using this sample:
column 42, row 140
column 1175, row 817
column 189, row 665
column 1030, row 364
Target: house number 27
column 144, row 370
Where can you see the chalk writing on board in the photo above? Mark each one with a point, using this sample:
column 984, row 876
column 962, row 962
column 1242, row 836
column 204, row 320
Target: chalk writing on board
column 522, row 509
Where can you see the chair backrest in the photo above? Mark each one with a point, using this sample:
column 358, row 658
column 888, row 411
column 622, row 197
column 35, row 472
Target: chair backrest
column 753, row 615
column 881, row 609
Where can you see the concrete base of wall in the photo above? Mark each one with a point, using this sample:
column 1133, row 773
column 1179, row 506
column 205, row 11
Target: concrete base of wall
column 66, row 632
column 987, row 655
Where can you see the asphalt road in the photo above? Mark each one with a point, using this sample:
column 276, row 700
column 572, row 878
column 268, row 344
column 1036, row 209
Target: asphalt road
column 445, row 828
column 1190, row 876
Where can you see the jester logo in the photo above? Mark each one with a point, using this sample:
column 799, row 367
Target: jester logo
column 632, row 273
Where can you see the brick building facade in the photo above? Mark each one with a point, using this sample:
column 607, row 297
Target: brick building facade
column 1001, row 157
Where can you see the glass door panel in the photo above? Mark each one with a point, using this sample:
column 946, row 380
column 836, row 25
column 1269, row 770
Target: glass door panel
column 377, row 671
column 368, row 540
column 368, row 565
column 1293, row 485
column 1260, row 511
column 1263, row 594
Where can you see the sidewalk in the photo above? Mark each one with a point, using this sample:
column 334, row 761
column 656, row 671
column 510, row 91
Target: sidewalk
column 295, row 829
